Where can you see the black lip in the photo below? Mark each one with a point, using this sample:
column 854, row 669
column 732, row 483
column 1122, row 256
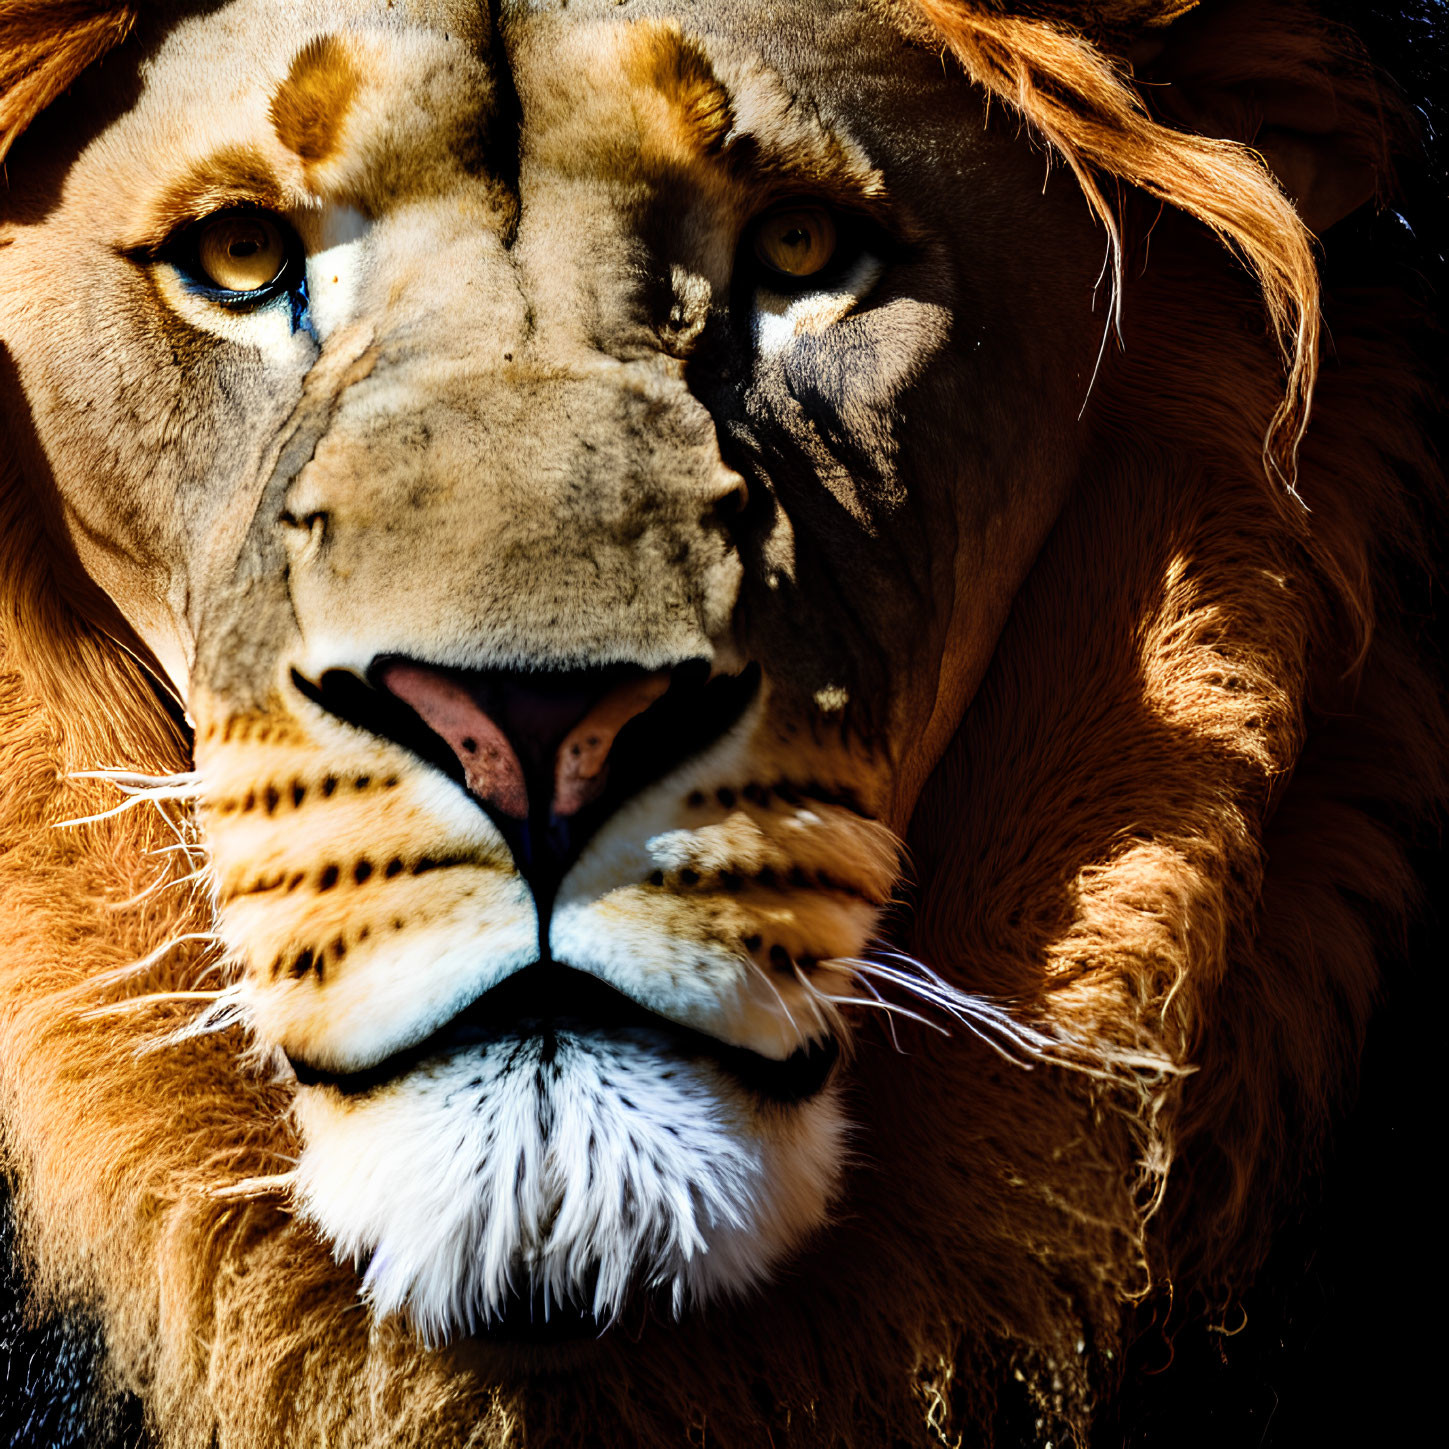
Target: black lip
column 546, row 999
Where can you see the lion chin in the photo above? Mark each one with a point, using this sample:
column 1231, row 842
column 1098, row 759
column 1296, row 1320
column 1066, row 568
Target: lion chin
column 533, row 1179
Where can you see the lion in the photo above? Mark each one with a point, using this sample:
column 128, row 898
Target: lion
column 706, row 729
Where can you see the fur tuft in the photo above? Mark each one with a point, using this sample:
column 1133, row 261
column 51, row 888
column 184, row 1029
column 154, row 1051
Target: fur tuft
column 693, row 1207
column 44, row 46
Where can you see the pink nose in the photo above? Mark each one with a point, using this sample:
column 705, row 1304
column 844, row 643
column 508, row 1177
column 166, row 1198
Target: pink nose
column 526, row 734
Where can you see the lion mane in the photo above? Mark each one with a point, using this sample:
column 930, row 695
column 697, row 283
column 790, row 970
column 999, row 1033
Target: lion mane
column 1212, row 726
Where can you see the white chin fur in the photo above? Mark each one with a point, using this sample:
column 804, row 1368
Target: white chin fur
column 576, row 1175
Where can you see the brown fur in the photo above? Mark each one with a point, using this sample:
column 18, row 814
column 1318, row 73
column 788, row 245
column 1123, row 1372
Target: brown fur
column 667, row 63
column 310, row 107
column 233, row 177
column 1171, row 821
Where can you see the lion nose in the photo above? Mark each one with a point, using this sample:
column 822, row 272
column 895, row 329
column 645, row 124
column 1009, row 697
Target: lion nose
column 531, row 745
column 549, row 755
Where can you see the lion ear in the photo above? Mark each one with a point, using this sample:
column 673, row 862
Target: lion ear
column 44, row 46
column 1278, row 77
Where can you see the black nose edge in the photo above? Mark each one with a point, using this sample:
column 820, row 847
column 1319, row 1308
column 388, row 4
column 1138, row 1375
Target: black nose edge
column 535, row 711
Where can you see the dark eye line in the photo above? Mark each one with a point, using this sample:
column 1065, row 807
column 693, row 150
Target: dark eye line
column 294, row 288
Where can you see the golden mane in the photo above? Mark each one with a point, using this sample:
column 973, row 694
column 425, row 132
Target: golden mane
column 44, row 46
column 1209, row 872
column 1085, row 106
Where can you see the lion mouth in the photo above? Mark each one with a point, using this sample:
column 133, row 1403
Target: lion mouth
column 546, row 1002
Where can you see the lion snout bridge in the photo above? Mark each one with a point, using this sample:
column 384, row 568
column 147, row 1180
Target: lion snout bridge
column 587, row 517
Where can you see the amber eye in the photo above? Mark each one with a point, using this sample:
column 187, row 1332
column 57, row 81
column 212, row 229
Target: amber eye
column 243, row 252
column 796, row 241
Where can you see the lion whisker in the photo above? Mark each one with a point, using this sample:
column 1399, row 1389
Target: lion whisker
column 248, row 1189
column 123, row 808
column 789, row 1015
column 160, row 885
column 150, row 1000
column 185, row 782
column 139, row 789
column 223, row 1012
column 194, row 847
column 890, row 1020
column 119, row 975
column 994, row 1023
column 986, row 1020
column 827, row 1013
column 876, row 1002
column 182, row 834
column 165, row 948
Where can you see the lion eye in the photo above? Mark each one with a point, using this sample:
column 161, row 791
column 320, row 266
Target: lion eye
column 242, row 253
column 796, row 242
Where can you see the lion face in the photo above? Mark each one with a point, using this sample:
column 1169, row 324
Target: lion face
column 523, row 451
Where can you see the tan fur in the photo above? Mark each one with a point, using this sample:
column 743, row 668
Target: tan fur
column 1170, row 825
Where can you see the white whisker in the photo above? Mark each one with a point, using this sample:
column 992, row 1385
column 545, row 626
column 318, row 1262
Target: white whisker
column 224, row 1012
column 184, row 785
column 827, row 1013
column 115, row 810
column 150, row 1000
column 789, row 1015
column 876, row 1002
column 994, row 1023
column 890, row 1020
column 160, row 885
column 139, row 789
column 191, row 847
column 120, row 975
column 247, row 1189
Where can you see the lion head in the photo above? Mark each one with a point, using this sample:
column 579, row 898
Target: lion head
column 635, row 742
